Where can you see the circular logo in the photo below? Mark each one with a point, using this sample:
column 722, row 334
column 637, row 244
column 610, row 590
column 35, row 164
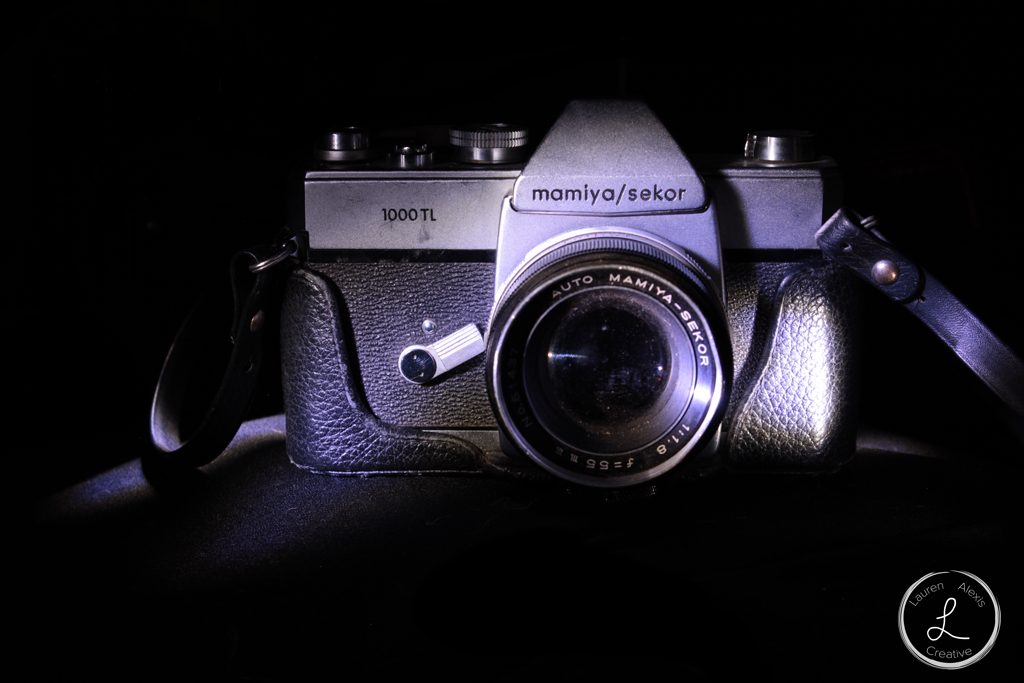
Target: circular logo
column 949, row 620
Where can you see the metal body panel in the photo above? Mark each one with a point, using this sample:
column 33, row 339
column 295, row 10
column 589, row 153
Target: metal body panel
column 609, row 158
column 771, row 207
column 450, row 213
column 758, row 207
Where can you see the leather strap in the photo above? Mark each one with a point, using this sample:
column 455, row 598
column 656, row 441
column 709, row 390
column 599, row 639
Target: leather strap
column 852, row 242
column 254, row 281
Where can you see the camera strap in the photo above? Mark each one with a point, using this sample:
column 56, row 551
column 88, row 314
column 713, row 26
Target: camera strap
column 853, row 242
column 255, row 277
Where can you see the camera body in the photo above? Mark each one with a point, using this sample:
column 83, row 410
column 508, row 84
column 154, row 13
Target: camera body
column 602, row 308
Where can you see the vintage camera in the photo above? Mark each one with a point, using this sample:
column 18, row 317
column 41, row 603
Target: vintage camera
column 602, row 308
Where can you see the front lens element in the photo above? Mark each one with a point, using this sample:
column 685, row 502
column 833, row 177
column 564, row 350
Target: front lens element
column 613, row 371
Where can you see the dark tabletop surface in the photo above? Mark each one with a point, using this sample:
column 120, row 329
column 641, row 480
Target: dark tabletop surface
column 257, row 569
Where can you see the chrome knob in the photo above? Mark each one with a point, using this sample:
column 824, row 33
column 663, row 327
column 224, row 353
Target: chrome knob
column 493, row 143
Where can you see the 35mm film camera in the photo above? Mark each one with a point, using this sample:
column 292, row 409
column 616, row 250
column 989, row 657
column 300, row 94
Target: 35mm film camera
column 604, row 308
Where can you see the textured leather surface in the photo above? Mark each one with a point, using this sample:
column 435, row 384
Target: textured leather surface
column 330, row 429
column 794, row 400
column 794, row 341
column 388, row 303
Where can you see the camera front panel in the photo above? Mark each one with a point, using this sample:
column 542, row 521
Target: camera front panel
column 389, row 306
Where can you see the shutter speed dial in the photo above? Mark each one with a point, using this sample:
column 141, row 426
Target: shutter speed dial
column 492, row 143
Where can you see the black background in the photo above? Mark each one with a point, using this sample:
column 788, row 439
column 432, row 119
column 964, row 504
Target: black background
column 145, row 145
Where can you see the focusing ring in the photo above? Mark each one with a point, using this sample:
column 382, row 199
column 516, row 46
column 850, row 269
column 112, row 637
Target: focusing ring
column 576, row 348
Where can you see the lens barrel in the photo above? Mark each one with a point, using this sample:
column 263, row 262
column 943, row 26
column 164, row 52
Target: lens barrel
column 608, row 357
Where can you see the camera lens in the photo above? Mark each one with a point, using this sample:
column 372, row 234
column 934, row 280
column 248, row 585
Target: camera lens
column 610, row 375
column 605, row 358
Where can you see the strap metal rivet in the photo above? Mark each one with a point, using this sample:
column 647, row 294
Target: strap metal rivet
column 885, row 272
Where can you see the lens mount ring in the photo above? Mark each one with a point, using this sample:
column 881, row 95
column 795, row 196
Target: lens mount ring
column 618, row 240
column 601, row 305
